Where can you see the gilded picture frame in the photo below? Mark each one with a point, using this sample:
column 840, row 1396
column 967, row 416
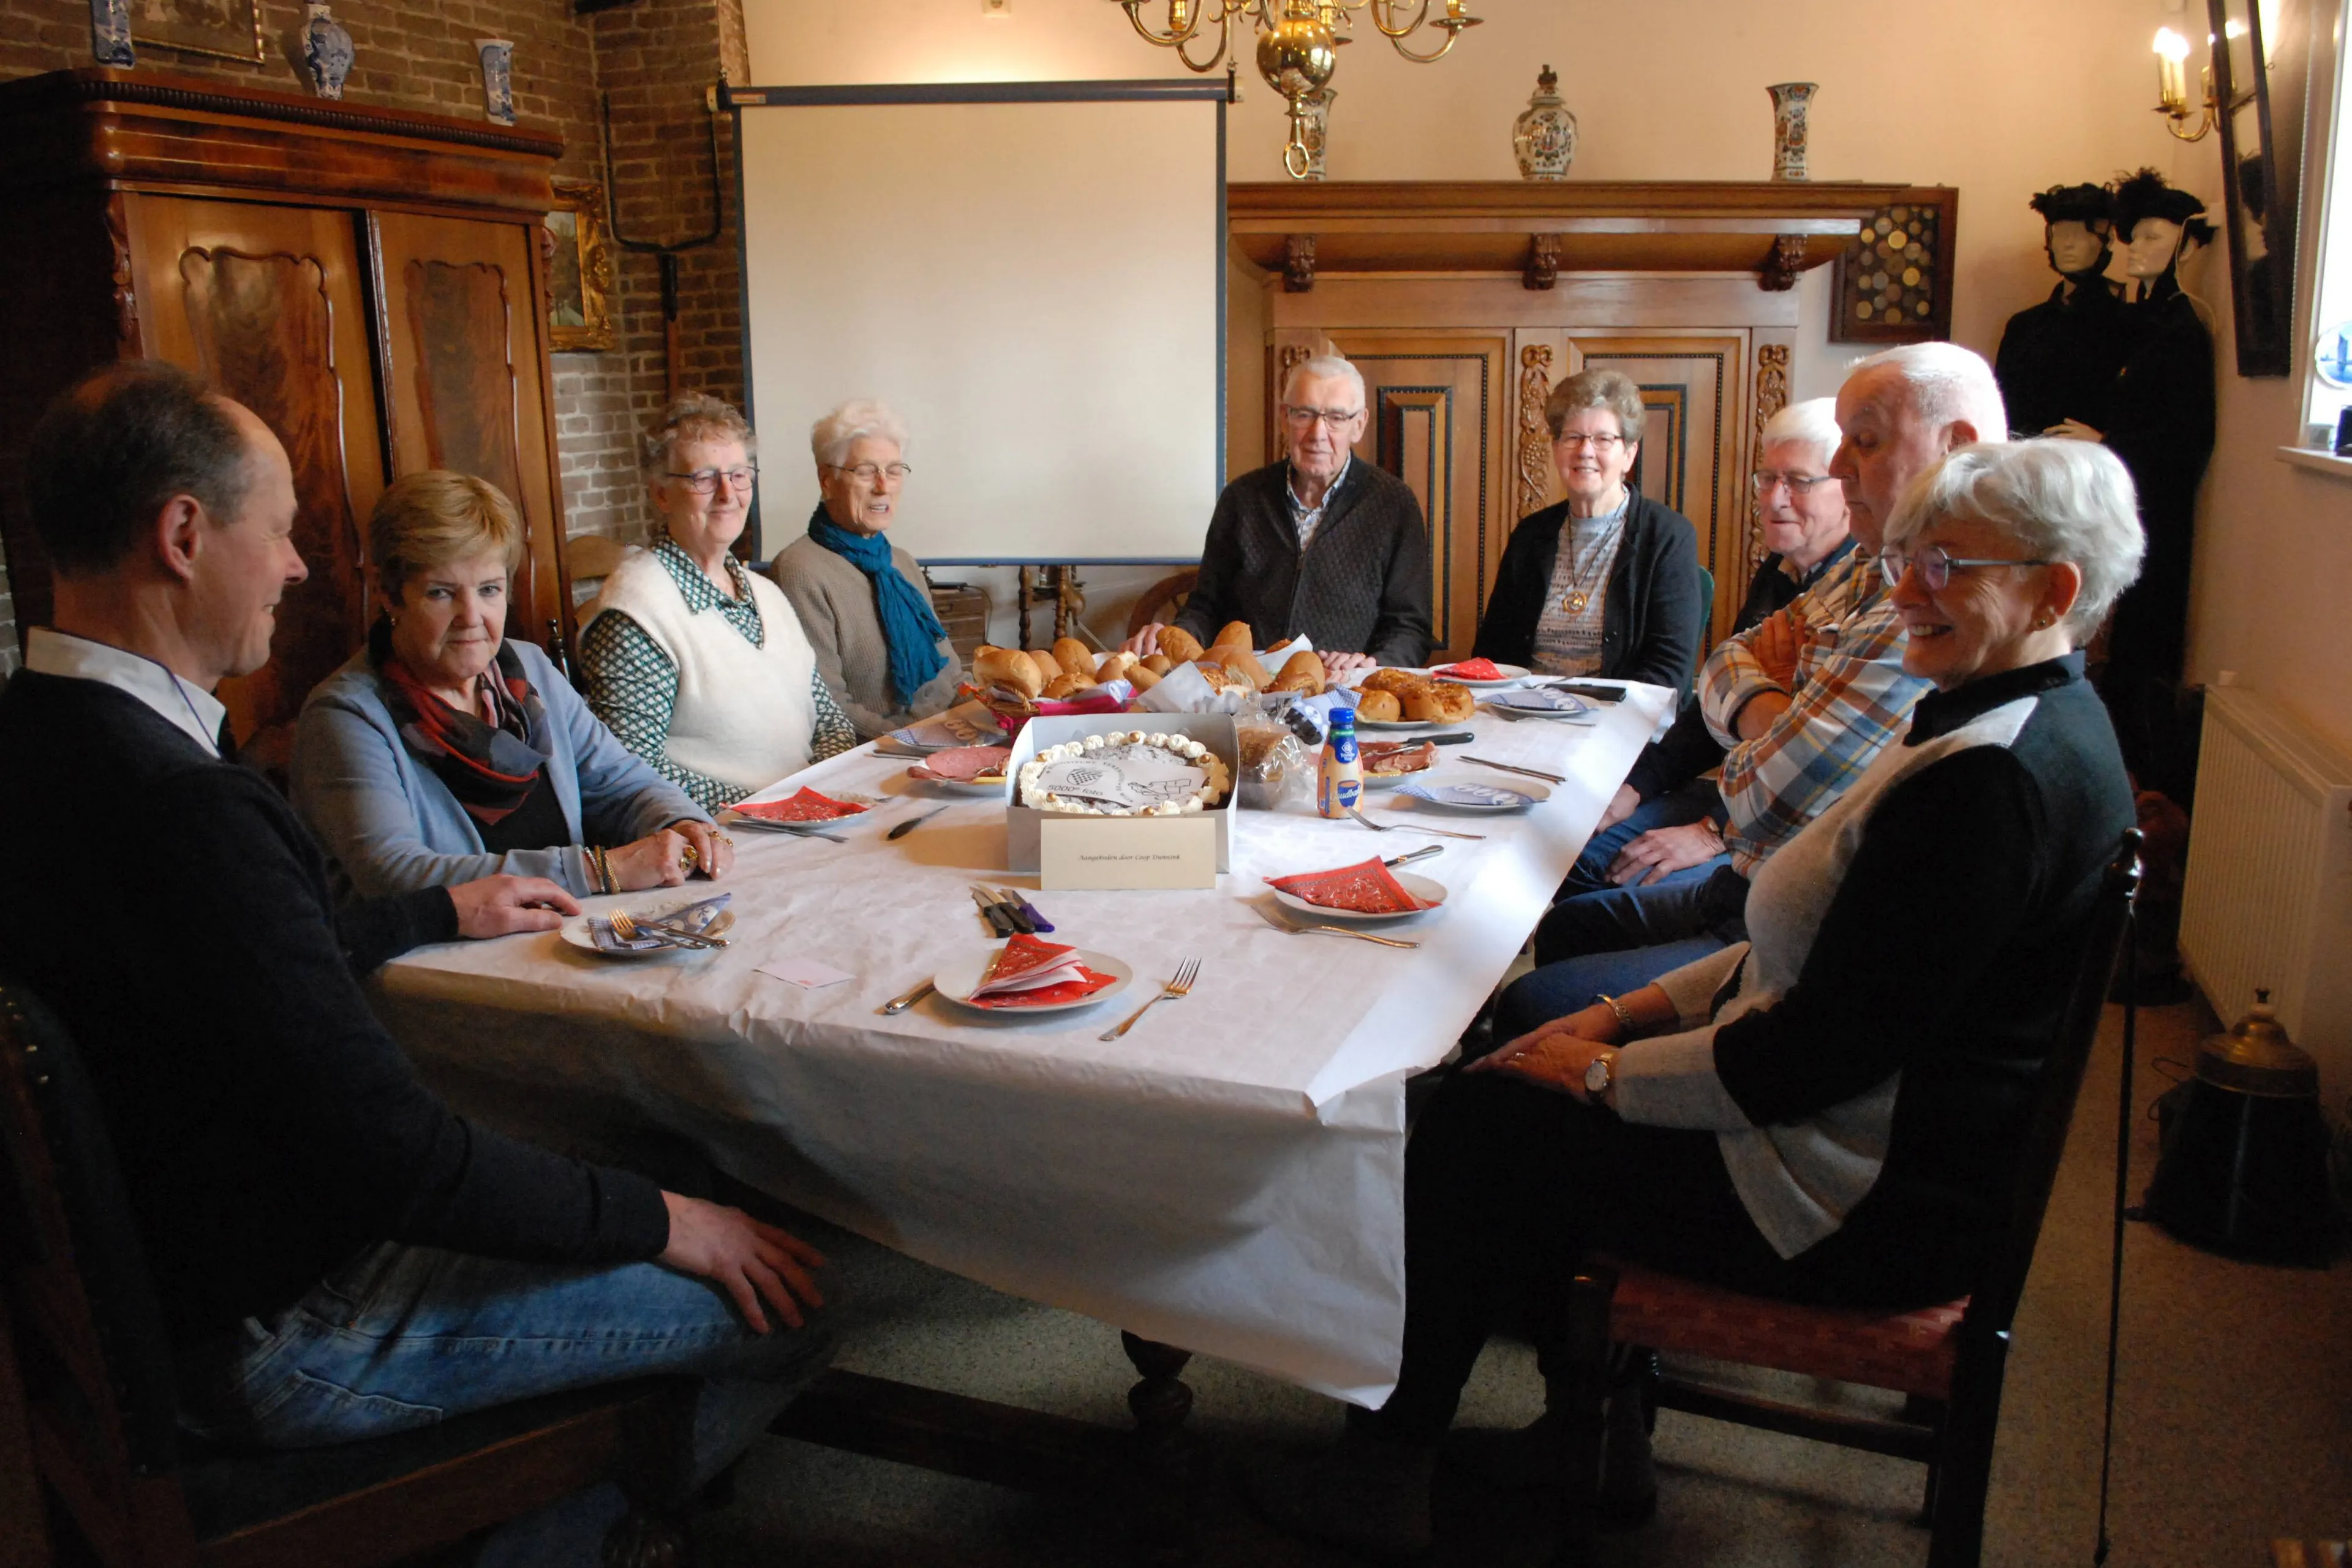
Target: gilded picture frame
column 580, row 270
column 224, row 30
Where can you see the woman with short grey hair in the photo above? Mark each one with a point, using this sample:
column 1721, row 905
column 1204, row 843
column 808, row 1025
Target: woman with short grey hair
column 864, row 602
column 1605, row 583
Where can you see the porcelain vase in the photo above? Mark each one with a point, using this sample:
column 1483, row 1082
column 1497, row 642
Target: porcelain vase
column 497, row 56
column 1790, row 100
column 1543, row 137
column 110, row 33
column 326, row 50
column 1318, row 105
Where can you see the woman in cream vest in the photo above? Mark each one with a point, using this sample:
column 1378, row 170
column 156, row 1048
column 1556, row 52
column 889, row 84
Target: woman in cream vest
column 699, row 665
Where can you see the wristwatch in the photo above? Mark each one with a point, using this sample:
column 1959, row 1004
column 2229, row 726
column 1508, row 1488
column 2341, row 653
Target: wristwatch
column 1598, row 1076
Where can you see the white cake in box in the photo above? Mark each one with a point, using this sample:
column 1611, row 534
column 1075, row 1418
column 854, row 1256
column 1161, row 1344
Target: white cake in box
column 1220, row 759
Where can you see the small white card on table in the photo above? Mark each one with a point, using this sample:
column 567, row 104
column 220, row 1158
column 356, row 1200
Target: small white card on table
column 1126, row 852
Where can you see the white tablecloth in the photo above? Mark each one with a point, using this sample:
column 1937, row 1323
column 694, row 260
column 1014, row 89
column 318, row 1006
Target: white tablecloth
column 1228, row 1177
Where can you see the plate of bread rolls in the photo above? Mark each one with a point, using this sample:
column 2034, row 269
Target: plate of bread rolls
column 1407, row 700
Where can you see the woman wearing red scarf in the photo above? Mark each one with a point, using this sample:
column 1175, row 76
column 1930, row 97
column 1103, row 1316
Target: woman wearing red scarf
column 443, row 752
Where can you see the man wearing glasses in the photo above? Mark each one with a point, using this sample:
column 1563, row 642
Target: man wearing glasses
column 1318, row 544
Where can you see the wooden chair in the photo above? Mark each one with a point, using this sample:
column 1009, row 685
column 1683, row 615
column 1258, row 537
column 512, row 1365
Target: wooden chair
column 1163, row 601
column 87, row 1434
column 1947, row 1360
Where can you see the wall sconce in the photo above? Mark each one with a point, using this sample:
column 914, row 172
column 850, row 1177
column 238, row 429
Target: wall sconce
column 2172, row 87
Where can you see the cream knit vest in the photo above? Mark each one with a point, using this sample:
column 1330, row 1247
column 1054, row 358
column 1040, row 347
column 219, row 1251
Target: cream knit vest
column 744, row 714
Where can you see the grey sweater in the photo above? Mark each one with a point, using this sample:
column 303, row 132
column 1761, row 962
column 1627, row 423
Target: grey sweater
column 835, row 601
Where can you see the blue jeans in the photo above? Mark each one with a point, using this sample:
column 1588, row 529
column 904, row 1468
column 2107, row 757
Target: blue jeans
column 1675, row 808
column 404, row 1336
column 1707, row 901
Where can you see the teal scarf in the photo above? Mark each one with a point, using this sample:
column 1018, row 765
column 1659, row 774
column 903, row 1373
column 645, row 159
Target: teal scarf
column 909, row 624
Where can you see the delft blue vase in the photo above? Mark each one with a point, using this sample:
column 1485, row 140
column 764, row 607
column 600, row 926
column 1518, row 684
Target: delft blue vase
column 110, row 33
column 326, row 50
column 497, row 56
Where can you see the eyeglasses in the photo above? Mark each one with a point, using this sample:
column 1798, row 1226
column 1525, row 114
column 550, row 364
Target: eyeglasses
column 1800, row 485
column 1602, row 445
column 1935, row 566
column 705, row 482
column 1304, row 418
column 867, row 473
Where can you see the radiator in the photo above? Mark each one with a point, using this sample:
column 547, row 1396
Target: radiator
column 2268, row 901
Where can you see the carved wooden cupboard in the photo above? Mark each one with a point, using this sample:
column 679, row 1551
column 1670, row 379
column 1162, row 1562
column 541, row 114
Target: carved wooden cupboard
column 1463, row 303
column 366, row 280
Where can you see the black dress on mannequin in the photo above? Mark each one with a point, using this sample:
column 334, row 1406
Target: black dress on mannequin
column 2162, row 425
column 2059, row 360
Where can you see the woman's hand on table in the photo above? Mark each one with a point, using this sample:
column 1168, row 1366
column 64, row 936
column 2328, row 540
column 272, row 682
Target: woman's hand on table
column 1662, row 851
column 664, row 859
column 1557, row 1055
column 1335, row 665
column 753, row 1261
column 499, row 905
column 714, row 852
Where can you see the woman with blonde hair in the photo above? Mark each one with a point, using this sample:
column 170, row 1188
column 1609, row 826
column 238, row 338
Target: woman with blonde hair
column 443, row 752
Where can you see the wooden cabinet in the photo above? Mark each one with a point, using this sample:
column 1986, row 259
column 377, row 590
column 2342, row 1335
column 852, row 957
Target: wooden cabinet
column 1463, row 304
column 367, row 280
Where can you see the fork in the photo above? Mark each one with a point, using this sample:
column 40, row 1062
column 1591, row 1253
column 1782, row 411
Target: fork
column 1280, row 924
column 1408, row 826
column 1186, row 973
column 626, row 929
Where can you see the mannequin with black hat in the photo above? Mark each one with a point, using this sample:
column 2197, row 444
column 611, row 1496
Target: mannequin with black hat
column 2059, row 359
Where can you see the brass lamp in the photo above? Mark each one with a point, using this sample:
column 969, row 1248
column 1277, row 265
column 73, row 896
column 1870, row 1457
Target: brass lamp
column 2172, row 87
column 1298, row 49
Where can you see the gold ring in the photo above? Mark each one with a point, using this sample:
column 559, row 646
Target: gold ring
column 687, row 856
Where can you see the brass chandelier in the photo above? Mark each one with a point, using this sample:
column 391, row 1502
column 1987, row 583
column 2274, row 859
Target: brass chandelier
column 1299, row 49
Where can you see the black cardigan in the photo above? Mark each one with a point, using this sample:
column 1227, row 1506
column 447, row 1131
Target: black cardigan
column 1362, row 587
column 267, row 1126
column 1653, row 618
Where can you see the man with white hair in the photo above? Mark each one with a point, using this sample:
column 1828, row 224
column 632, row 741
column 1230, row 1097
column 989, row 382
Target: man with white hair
column 1806, row 700
column 1317, row 544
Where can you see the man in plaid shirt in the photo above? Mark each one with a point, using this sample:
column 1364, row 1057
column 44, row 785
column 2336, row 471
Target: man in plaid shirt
column 1804, row 700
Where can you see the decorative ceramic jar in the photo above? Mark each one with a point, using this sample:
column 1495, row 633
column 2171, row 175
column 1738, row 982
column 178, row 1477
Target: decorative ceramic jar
column 326, row 50
column 110, row 33
column 497, row 56
column 1544, row 135
column 1317, row 124
column 1790, row 102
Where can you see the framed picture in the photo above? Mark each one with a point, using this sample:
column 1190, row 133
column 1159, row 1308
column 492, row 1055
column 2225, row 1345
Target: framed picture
column 1893, row 283
column 226, row 29
column 580, row 270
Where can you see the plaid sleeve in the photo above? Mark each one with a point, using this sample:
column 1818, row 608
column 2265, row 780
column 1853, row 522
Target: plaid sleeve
column 833, row 733
column 632, row 688
column 1851, row 698
column 1730, row 676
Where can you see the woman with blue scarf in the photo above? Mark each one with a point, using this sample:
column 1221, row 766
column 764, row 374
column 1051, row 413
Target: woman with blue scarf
column 880, row 648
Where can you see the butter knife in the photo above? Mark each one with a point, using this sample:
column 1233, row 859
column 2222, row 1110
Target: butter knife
column 680, row 934
column 996, row 918
column 1513, row 768
column 897, row 1004
column 1029, row 911
column 1009, row 907
column 1421, row 854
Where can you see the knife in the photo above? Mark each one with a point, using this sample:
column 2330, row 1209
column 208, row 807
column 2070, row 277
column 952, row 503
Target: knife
column 1511, row 768
column 679, row 934
column 1457, row 738
column 897, row 1004
column 1029, row 911
column 1421, row 854
column 1009, row 907
column 998, row 921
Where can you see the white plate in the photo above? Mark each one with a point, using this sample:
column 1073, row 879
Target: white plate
column 575, row 932
column 954, row 786
column 1512, row 675
column 963, row 976
column 1539, row 704
column 1427, row 892
column 1457, row 795
column 1364, row 723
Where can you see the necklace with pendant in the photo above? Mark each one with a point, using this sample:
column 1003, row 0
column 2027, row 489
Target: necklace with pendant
column 1580, row 591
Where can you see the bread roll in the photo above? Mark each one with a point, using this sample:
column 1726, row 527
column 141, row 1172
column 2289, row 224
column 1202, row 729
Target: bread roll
column 1048, row 665
column 1071, row 684
column 1285, row 643
column 1392, row 680
column 1236, row 633
column 1241, row 661
column 1181, row 646
column 1114, row 664
column 1143, row 677
column 1007, row 666
column 1071, row 654
column 1439, row 701
column 1302, row 671
column 1381, row 706
column 1220, row 678
column 1158, row 663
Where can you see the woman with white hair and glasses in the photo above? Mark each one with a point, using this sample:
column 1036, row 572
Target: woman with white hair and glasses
column 1828, row 1112
column 699, row 665
column 879, row 646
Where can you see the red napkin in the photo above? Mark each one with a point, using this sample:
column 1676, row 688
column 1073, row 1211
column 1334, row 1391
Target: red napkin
column 807, row 805
column 1025, row 959
column 1367, row 890
column 1471, row 669
column 1076, row 990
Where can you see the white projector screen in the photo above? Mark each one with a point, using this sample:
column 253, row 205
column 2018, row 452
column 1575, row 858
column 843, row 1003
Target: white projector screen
column 1031, row 274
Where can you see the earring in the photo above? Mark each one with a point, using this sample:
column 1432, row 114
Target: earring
column 2041, row 623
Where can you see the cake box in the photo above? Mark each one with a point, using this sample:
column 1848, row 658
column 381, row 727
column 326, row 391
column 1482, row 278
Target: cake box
column 1025, row 826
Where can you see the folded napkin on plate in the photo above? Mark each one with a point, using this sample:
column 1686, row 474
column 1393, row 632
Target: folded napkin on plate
column 691, row 917
column 1030, row 974
column 804, row 805
column 1366, row 889
column 1470, row 669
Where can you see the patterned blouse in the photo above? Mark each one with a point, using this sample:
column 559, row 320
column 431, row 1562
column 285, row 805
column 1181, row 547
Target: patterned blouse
column 1568, row 635
column 633, row 684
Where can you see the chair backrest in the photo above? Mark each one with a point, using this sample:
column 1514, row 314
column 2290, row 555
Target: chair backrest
column 1993, row 1306
column 81, row 1312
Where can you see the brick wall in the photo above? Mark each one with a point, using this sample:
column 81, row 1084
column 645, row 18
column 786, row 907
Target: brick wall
column 656, row 57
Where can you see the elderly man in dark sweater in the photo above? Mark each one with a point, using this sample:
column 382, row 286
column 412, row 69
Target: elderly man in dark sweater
column 1318, row 544
column 337, row 1253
